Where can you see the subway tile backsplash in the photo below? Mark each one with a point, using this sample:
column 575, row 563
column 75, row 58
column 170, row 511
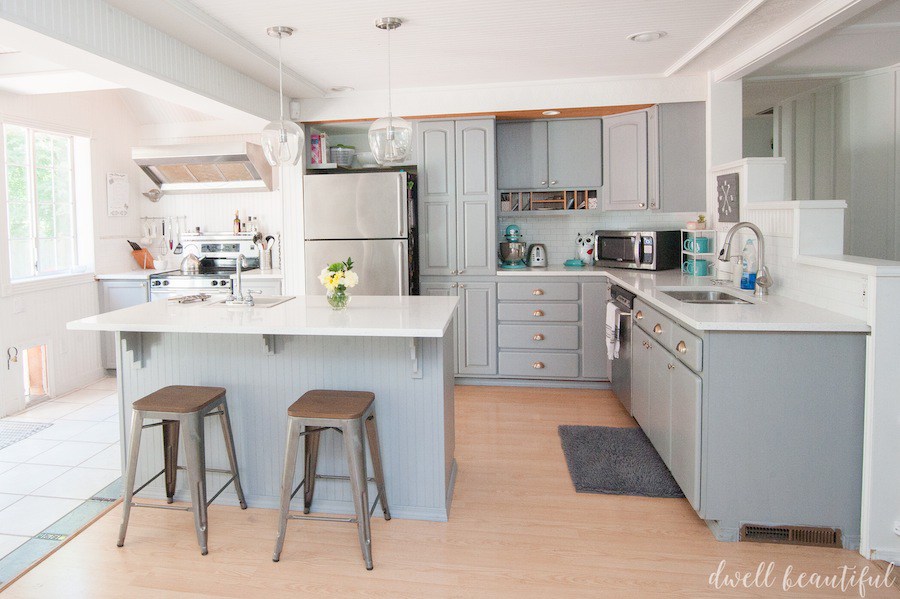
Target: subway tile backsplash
column 559, row 231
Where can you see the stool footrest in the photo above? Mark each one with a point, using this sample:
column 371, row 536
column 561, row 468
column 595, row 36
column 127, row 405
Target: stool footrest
column 217, row 470
column 322, row 518
column 337, row 477
column 157, row 506
column 219, row 492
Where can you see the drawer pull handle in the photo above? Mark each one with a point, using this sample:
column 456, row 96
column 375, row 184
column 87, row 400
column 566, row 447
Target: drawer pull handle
column 681, row 347
column 537, row 292
column 657, row 329
column 670, row 366
column 538, row 365
column 639, row 315
column 538, row 337
column 537, row 313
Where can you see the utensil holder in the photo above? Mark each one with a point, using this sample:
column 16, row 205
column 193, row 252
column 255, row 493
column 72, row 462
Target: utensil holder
column 265, row 260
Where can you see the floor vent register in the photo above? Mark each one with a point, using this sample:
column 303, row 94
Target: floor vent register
column 792, row 535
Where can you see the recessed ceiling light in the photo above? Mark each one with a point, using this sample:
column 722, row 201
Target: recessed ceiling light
column 647, row 36
column 340, row 88
column 550, row 112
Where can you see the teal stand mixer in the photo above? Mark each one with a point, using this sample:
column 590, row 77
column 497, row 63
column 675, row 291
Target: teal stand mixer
column 512, row 251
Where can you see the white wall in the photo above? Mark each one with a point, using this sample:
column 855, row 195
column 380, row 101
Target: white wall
column 40, row 317
column 841, row 142
column 758, row 138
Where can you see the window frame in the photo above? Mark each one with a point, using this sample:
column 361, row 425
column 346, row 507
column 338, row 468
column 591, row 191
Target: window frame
column 82, row 270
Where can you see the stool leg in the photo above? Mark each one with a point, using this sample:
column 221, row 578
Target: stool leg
column 137, row 423
column 195, row 456
column 287, row 482
column 353, row 447
column 170, row 430
column 311, row 460
column 232, row 455
column 375, row 451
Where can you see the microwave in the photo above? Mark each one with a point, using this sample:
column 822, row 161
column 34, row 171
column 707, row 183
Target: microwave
column 643, row 250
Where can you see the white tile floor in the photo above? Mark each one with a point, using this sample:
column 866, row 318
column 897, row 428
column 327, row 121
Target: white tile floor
column 45, row 476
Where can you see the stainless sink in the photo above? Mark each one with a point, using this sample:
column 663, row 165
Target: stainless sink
column 704, row 296
column 260, row 301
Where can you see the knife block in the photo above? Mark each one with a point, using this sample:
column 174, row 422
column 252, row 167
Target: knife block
column 143, row 257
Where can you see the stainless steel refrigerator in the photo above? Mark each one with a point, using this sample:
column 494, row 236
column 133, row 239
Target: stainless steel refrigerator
column 370, row 217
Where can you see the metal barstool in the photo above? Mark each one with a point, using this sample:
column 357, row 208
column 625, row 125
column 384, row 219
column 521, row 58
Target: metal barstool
column 345, row 412
column 178, row 406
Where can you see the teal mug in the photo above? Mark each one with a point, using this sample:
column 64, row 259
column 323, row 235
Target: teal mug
column 698, row 245
column 696, row 268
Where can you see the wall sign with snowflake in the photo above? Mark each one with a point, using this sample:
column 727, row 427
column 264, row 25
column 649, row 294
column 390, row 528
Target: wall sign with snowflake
column 727, row 198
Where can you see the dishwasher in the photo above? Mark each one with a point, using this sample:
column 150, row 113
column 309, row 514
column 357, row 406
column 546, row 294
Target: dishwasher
column 621, row 366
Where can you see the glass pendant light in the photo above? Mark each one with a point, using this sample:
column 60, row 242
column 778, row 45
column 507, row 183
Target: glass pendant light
column 390, row 137
column 282, row 140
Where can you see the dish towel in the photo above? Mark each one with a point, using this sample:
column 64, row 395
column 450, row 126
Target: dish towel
column 613, row 317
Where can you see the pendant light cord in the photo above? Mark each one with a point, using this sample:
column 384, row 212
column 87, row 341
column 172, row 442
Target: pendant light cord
column 280, row 78
column 390, row 104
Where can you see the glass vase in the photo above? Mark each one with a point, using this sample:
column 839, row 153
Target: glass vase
column 338, row 299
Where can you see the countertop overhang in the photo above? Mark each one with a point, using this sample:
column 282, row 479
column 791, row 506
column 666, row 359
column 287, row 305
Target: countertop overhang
column 367, row 316
column 769, row 313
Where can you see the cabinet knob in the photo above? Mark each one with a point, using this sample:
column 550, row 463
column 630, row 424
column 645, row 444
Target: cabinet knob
column 462, row 271
column 642, row 205
column 639, row 315
column 538, row 365
column 452, row 272
column 657, row 329
column 670, row 366
column 454, row 285
column 537, row 313
column 681, row 347
column 552, row 182
column 462, row 286
column 538, row 337
column 543, row 183
column 537, row 292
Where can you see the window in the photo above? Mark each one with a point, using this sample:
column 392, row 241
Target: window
column 40, row 203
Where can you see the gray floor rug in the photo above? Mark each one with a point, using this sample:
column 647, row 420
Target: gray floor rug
column 615, row 461
column 12, row 432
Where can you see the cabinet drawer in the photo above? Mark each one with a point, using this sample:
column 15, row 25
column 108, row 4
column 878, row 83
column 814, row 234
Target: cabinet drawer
column 537, row 364
column 537, row 291
column 687, row 347
column 656, row 325
column 538, row 312
column 538, row 336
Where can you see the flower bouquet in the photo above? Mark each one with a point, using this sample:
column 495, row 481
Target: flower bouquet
column 337, row 279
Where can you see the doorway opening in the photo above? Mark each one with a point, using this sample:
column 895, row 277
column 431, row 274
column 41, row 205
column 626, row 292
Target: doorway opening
column 35, row 374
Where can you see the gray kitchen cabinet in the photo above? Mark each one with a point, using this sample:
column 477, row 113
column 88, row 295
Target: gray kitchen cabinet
column 457, row 204
column 522, row 155
column 656, row 159
column 575, row 154
column 555, row 154
column 116, row 294
column 686, row 391
column 659, row 409
column 594, row 361
column 476, row 206
column 640, row 382
column 477, row 336
column 625, row 161
column 447, row 289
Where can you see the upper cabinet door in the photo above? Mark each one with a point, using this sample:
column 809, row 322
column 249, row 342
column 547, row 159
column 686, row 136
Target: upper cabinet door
column 625, row 161
column 682, row 157
column 437, row 197
column 575, row 154
column 522, row 155
column 476, row 207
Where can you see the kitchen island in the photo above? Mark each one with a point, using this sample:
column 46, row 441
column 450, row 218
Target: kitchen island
column 400, row 348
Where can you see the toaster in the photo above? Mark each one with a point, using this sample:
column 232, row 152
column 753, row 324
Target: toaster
column 537, row 255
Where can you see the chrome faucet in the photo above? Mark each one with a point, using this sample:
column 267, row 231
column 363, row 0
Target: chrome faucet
column 238, row 296
column 763, row 278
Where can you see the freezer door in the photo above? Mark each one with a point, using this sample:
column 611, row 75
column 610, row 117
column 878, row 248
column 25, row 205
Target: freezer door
column 355, row 206
column 382, row 265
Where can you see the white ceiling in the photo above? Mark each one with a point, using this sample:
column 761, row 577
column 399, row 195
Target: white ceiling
column 467, row 42
column 27, row 75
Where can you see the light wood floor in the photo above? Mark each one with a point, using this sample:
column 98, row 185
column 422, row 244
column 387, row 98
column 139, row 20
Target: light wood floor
column 517, row 529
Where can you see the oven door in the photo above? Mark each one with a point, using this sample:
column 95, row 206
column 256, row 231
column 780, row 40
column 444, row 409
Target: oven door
column 619, row 248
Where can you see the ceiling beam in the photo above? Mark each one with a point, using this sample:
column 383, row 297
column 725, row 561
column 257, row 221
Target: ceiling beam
column 718, row 33
column 821, row 18
column 206, row 20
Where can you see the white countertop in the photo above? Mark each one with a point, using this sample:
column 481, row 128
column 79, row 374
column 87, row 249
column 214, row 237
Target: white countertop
column 131, row 275
column 258, row 273
column 367, row 316
column 771, row 313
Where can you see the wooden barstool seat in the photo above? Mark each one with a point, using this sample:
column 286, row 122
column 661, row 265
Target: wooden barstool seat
column 180, row 407
column 349, row 413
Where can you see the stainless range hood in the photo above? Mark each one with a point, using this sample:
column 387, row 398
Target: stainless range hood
column 205, row 168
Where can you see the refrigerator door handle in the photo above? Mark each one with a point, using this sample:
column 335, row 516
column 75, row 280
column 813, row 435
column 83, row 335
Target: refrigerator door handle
column 402, row 196
column 401, row 256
